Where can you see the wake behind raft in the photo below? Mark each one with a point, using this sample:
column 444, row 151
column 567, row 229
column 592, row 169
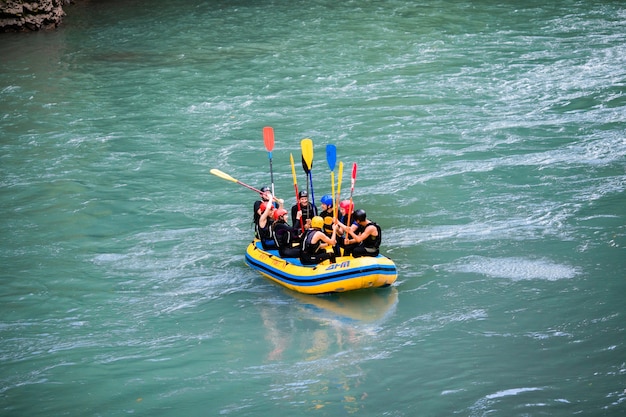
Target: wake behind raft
column 346, row 274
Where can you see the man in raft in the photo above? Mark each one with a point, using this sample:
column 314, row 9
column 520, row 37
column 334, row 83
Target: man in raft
column 362, row 238
column 306, row 212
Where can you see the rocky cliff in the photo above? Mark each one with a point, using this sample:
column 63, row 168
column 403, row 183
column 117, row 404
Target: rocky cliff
column 22, row 15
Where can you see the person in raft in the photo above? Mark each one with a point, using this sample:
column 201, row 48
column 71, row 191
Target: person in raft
column 363, row 238
column 328, row 216
column 345, row 207
column 287, row 238
column 264, row 226
column 307, row 210
column 265, row 196
column 315, row 242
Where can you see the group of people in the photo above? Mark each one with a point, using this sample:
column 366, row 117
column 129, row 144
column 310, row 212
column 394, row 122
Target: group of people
column 314, row 237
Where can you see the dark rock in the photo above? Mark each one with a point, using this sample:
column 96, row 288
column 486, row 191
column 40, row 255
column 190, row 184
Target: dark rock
column 20, row 15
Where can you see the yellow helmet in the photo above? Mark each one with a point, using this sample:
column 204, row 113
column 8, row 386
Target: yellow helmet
column 317, row 222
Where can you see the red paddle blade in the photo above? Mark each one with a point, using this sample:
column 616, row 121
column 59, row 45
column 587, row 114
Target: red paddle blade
column 268, row 138
column 353, row 172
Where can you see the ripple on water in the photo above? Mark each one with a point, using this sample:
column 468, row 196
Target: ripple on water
column 489, row 401
column 516, row 269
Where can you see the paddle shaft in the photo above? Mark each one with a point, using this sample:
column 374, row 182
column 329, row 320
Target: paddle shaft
column 312, row 192
column 352, row 181
column 227, row 177
column 339, row 179
column 306, row 146
column 268, row 138
column 295, row 187
column 331, row 158
column 332, row 190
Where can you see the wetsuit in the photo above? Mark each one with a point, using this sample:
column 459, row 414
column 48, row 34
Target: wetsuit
column 306, row 214
column 256, row 216
column 266, row 235
column 286, row 237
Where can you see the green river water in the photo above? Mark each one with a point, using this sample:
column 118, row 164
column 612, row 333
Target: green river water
column 490, row 139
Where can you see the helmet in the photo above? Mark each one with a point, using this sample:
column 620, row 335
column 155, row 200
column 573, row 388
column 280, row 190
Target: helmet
column 265, row 188
column 279, row 213
column 347, row 205
column 317, row 222
column 360, row 215
column 327, row 200
column 303, row 194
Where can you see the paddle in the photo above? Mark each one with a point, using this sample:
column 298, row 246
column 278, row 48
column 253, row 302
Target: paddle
column 307, row 164
column 339, row 179
column 295, row 187
column 227, row 177
column 352, row 181
column 268, row 138
column 331, row 158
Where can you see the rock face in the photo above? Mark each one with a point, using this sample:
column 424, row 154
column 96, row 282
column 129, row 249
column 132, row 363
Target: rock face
column 21, row 15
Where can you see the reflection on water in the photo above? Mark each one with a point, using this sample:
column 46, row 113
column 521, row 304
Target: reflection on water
column 356, row 308
column 326, row 324
column 318, row 345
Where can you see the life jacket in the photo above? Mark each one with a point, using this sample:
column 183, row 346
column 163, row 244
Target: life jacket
column 282, row 233
column 266, row 235
column 256, row 216
column 371, row 242
column 344, row 220
column 328, row 223
column 307, row 213
column 307, row 246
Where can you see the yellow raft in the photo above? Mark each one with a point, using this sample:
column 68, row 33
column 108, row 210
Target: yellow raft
column 346, row 274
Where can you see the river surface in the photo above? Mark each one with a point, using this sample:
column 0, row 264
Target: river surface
column 490, row 139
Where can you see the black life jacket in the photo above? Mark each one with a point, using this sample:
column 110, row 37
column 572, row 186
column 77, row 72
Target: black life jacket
column 266, row 234
column 307, row 246
column 256, row 216
column 372, row 241
column 307, row 213
column 283, row 234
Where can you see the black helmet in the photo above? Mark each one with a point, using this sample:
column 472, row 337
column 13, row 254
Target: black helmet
column 265, row 188
column 360, row 215
column 303, row 194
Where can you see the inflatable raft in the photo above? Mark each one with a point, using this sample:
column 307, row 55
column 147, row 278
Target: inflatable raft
column 346, row 274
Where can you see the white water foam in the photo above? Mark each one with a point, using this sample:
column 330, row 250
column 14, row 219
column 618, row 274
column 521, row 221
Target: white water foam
column 510, row 392
column 516, row 269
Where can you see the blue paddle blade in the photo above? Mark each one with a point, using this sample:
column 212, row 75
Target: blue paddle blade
column 331, row 156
